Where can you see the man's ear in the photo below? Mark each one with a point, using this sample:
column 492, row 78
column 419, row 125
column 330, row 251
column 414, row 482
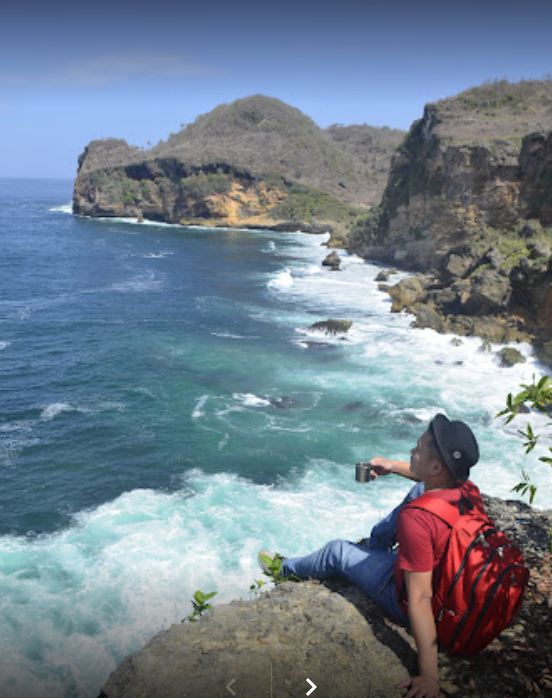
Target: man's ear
column 437, row 467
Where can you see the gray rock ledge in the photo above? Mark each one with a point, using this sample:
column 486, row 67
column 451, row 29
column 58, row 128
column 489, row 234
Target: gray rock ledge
column 289, row 634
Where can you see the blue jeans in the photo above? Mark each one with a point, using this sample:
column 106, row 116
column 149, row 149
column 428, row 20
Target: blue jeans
column 369, row 567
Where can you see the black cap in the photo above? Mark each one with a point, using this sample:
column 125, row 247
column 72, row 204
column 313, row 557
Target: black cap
column 456, row 445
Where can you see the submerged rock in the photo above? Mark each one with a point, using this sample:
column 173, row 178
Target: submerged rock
column 352, row 406
column 332, row 326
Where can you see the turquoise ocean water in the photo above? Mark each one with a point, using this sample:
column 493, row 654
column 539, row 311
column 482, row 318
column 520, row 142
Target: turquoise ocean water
column 165, row 413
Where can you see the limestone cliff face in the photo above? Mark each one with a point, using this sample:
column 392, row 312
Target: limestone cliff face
column 166, row 190
column 478, row 161
column 255, row 162
column 469, row 199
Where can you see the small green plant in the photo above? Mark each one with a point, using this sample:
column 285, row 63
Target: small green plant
column 256, row 587
column 538, row 396
column 200, row 605
column 274, row 568
column 526, row 486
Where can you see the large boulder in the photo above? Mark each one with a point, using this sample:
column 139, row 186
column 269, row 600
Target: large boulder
column 458, row 263
column 333, row 261
column 490, row 292
column 268, row 646
column 428, row 317
column 510, row 357
column 407, row 292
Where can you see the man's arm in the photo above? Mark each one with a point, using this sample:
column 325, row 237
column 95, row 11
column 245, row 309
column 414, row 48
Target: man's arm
column 419, row 587
column 385, row 466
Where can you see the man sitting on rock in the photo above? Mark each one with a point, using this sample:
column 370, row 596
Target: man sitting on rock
column 399, row 558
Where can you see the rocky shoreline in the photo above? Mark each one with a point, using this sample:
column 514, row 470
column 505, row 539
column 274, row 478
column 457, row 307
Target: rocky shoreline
column 335, row 635
column 479, row 295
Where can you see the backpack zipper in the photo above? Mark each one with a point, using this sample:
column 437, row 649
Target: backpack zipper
column 481, row 538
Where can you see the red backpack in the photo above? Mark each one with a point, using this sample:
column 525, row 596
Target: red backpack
column 480, row 582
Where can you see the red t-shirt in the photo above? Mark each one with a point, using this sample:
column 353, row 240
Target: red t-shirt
column 423, row 537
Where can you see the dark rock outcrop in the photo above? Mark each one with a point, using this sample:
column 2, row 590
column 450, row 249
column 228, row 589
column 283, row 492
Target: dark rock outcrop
column 331, row 326
column 333, row 261
column 510, row 357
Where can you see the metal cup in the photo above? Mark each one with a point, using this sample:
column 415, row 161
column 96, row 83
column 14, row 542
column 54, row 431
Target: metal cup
column 363, row 471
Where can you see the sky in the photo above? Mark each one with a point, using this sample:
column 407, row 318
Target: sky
column 71, row 73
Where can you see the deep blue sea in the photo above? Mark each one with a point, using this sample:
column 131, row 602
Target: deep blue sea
column 165, row 412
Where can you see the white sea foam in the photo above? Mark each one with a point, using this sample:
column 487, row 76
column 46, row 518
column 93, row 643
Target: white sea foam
column 281, row 281
column 133, row 221
column 88, row 596
column 312, row 269
column 146, row 281
column 55, row 409
column 65, row 208
column 228, row 335
column 198, row 411
column 93, row 407
column 4, row 345
column 250, row 400
column 157, row 255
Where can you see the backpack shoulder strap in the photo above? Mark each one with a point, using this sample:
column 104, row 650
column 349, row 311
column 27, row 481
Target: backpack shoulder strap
column 444, row 510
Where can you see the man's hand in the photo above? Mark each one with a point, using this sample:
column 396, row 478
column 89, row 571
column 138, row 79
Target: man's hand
column 420, row 687
column 380, row 466
column 386, row 466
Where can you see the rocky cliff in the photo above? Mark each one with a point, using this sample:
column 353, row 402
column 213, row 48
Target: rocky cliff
column 469, row 200
column 335, row 635
column 255, row 162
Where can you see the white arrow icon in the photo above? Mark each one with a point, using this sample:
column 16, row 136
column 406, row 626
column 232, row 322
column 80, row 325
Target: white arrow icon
column 313, row 689
column 228, row 687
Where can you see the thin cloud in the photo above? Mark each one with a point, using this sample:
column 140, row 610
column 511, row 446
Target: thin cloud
column 108, row 70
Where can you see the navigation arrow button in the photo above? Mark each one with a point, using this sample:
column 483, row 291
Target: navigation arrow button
column 313, row 689
column 228, row 685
